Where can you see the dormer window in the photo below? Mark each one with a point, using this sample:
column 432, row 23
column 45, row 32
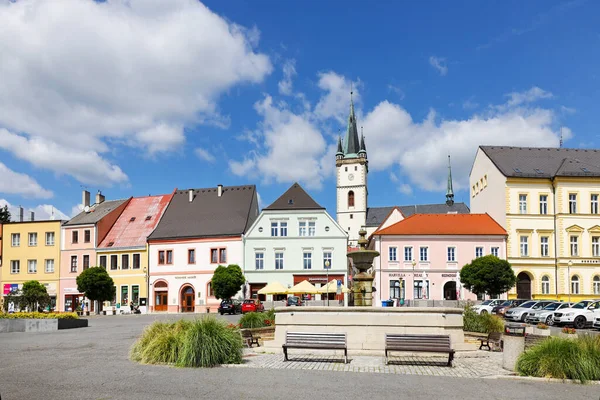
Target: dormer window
column 148, row 218
column 291, row 201
column 132, row 219
column 110, row 244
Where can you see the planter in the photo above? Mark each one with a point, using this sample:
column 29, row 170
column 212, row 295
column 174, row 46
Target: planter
column 570, row 336
column 72, row 323
column 540, row 332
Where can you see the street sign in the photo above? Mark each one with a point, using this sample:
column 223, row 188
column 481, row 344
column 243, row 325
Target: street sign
column 339, row 282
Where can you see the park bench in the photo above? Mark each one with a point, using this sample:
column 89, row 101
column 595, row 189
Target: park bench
column 250, row 339
column 419, row 343
column 494, row 338
column 317, row 341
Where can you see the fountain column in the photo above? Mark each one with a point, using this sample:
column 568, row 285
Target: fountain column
column 362, row 261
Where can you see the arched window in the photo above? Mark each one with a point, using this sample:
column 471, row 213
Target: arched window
column 545, row 284
column 575, row 284
column 597, row 284
column 351, row 199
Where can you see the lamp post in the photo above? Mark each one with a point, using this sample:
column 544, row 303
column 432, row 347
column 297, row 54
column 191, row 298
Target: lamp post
column 413, row 266
column 569, row 264
column 147, row 290
column 327, row 264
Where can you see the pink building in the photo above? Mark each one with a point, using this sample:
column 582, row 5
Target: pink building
column 421, row 256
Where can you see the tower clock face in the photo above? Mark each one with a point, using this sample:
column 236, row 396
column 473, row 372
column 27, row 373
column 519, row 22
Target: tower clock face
column 351, row 177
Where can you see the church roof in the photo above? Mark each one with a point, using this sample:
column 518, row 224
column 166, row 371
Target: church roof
column 376, row 215
column 295, row 198
column 351, row 144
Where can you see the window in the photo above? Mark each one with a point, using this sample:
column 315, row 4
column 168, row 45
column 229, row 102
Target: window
column 596, row 284
column 87, row 237
column 274, row 229
column 351, row 216
column 259, row 260
column 33, row 239
column 103, row 261
column 345, row 169
column 424, row 253
column 408, row 254
column 524, row 246
column 15, row 267
column 125, row 261
column 209, row 290
column 161, row 258
column 574, row 246
column 16, row 239
column 478, row 251
column 545, row 285
column 311, row 228
column 223, row 255
column 114, row 261
column 283, row 229
column 302, row 228
column 596, row 246
column 594, row 204
column 49, row 238
column 278, row 260
column 169, row 256
column 135, row 294
column 214, row 256
column 327, row 260
column 393, row 253
column 148, row 217
column 86, row 261
column 124, row 295
column 75, row 237
column 136, row 261
column 452, row 254
column 394, row 289
column 32, row 266
column 351, row 199
column 495, row 251
column 131, row 219
column 307, row 260
column 191, row 256
column 418, row 290
column 544, row 246
column 73, row 263
column 49, row 266
column 575, row 285
column 572, row 203
column 523, row 204
column 543, row 204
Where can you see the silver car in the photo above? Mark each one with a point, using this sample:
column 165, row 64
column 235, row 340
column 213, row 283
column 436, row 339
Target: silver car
column 545, row 314
column 519, row 313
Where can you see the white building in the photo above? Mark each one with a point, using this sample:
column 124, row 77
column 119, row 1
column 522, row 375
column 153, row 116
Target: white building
column 294, row 239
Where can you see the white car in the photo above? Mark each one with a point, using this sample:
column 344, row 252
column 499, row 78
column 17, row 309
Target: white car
column 597, row 323
column 579, row 315
column 519, row 313
column 486, row 306
column 546, row 314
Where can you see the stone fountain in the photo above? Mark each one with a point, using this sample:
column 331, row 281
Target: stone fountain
column 362, row 261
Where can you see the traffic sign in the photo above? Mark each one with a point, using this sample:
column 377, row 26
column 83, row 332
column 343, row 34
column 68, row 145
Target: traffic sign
column 339, row 282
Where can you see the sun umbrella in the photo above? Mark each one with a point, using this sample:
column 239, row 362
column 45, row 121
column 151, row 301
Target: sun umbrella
column 331, row 287
column 273, row 288
column 303, row 287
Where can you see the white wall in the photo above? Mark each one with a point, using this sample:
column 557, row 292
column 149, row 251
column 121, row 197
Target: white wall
column 351, row 219
column 490, row 196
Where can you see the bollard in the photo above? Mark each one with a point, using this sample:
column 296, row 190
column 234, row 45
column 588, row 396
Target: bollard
column 514, row 345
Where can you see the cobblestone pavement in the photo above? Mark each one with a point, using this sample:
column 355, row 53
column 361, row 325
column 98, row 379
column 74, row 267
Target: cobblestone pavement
column 479, row 365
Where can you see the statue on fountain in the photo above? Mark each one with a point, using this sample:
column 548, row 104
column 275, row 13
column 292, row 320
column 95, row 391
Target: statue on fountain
column 362, row 262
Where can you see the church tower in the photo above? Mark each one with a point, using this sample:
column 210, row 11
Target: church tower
column 351, row 172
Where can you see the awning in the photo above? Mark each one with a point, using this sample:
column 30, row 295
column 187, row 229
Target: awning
column 303, row 287
column 273, row 288
column 331, row 287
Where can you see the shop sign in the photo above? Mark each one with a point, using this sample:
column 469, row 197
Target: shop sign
column 71, row 290
column 185, row 277
column 318, row 280
column 10, row 287
column 449, row 275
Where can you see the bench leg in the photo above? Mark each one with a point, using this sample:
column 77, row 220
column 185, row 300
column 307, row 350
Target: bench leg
column 346, row 356
column 386, row 357
column 450, row 358
column 285, row 354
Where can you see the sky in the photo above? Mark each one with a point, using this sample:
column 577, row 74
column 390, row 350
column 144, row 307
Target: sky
column 138, row 97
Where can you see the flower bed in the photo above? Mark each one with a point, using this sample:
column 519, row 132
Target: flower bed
column 38, row 315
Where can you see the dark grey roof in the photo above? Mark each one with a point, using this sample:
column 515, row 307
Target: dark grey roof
column 208, row 215
column 351, row 145
column 295, row 198
column 544, row 162
column 376, row 215
column 97, row 212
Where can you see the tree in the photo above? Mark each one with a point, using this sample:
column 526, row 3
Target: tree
column 33, row 294
column 489, row 275
column 96, row 284
column 227, row 281
column 4, row 214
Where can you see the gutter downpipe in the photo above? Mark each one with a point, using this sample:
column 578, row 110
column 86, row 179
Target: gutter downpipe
column 555, row 240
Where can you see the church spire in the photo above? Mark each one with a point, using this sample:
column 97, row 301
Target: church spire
column 351, row 144
column 449, row 191
column 363, row 150
column 340, row 152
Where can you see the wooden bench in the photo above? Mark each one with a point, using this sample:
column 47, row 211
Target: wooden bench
column 311, row 340
column 494, row 338
column 419, row 343
column 250, row 339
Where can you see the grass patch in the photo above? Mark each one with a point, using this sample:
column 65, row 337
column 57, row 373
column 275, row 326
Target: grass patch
column 482, row 323
column 38, row 315
column 253, row 320
column 561, row 358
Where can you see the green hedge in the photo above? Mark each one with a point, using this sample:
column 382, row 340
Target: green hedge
column 38, row 315
column 482, row 323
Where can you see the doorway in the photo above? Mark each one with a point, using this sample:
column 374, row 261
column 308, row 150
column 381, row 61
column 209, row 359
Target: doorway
column 523, row 286
column 161, row 296
column 187, row 299
column 450, row 290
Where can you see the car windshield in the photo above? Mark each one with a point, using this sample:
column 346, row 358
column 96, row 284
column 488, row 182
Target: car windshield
column 581, row 304
column 552, row 306
column 485, row 303
column 226, row 302
column 528, row 304
column 505, row 303
column 293, row 299
column 248, row 301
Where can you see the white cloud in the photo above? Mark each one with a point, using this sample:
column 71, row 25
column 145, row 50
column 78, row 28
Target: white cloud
column 261, row 205
column 529, row 96
column 405, row 189
column 439, row 63
column 204, row 155
column 134, row 72
column 12, row 182
column 334, row 104
column 394, row 177
column 41, row 212
column 289, row 71
column 470, row 104
column 397, row 90
column 76, row 209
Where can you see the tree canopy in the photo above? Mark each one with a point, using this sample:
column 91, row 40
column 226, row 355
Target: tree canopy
column 4, row 214
column 227, row 281
column 32, row 294
column 96, row 284
column 488, row 275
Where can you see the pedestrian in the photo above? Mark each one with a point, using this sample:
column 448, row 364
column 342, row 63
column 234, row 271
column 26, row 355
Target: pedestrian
column 131, row 306
column 11, row 307
column 82, row 307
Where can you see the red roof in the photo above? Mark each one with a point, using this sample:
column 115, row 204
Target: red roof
column 133, row 225
column 444, row 224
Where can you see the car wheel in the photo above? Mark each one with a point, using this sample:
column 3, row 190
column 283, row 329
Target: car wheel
column 579, row 322
column 523, row 317
column 483, row 312
column 221, row 312
column 549, row 320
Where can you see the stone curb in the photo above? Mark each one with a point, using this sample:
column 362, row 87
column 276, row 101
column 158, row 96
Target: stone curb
column 536, row 379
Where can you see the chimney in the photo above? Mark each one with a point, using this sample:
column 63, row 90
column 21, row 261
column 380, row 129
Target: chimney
column 85, row 201
column 99, row 197
column 219, row 190
column 191, row 195
column 20, row 214
column 32, row 216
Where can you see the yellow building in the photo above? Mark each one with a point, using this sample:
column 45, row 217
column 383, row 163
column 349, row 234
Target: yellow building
column 124, row 250
column 548, row 201
column 31, row 251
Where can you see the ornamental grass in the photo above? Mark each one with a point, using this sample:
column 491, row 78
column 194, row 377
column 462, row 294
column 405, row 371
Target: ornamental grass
column 482, row 323
column 253, row 320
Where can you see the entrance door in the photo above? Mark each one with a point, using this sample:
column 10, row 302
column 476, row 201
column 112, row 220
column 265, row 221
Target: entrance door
column 187, row 300
column 523, row 286
column 450, row 290
column 160, row 303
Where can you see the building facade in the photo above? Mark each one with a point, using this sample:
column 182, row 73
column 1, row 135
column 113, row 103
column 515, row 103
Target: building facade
column 200, row 230
column 547, row 199
column 421, row 256
column 294, row 239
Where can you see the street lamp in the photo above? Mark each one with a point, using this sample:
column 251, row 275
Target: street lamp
column 413, row 282
column 569, row 265
column 327, row 264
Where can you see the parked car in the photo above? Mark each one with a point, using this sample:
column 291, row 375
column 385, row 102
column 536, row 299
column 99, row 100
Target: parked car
column 503, row 307
column 293, row 301
column 546, row 314
column 230, row 306
column 520, row 312
column 486, row 306
column 597, row 323
column 579, row 315
column 252, row 305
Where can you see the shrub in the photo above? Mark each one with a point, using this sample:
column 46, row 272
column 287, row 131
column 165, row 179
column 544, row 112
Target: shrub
column 38, row 315
column 270, row 315
column 253, row 320
column 561, row 358
column 568, row 331
column 482, row 323
column 542, row 326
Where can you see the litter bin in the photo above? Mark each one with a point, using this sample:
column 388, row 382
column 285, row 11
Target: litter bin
column 387, row 303
column 514, row 345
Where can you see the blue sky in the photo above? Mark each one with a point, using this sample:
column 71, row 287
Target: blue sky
column 139, row 97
